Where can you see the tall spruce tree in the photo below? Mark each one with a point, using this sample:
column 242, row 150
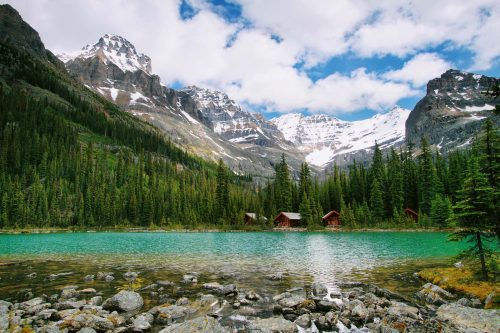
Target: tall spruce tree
column 283, row 187
column 222, row 191
column 427, row 177
column 471, row 211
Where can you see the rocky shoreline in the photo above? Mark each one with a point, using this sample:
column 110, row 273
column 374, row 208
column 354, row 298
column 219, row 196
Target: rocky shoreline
column 196, row 305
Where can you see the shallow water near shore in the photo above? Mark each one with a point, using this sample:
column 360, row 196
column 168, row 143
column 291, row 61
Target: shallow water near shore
column 386, row 259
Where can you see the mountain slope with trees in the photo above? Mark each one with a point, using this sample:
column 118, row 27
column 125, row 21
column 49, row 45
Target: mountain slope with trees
column 70, row 158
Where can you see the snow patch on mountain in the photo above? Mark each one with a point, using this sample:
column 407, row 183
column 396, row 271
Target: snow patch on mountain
column 113, row 49
column 322, row 137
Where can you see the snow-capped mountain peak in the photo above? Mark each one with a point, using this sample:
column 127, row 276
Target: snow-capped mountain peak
column 323, row 137
column 114, row 49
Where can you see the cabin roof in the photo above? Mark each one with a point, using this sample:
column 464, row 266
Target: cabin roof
column 333, row 212
column 291, row 216
column 254, row 216
column 411, row 211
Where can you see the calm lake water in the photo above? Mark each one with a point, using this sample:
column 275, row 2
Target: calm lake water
column 387, row 258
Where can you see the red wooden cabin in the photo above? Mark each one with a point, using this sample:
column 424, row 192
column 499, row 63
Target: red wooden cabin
column 331, row 219
column 411, row 214
column 287, row 220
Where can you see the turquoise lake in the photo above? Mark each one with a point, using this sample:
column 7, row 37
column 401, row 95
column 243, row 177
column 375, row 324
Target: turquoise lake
column 328, row 257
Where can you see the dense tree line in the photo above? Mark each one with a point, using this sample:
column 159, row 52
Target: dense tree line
column 377, row 195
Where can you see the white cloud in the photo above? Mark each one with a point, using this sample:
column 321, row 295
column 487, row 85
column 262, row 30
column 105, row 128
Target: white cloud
column 340, row 93
column 420, row 69
column 256, row 69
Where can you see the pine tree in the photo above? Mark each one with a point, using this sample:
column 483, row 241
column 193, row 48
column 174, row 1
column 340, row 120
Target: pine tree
column 377, row 201
column 427, row 176
column 283, row 187
column 306, row 215
column 471, row 211
column 222, row 191
column 395, row 174
column 440, row 211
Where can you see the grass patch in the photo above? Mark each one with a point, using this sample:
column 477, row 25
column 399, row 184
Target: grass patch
column 463, row 281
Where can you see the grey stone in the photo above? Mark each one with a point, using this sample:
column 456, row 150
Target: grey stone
column 398, row 309
column 273, row 325
column 182, row 301
column 164, row 283
column 291, row 302
column 252, row 295
column 189, row 279
column 220, row 289
column 470, row 302
column 469, row 318
column 81, row 320
column 304, row 321
column 96, row 300
column 433, row 294
column 69, row 305
column 89, row 278
column 130, row 276
column 69, row 293
column 166, row 315
column 360, row 311
column 319, row 289
column 58, row 275
column 102, row 275
column 87, row 330
column 275, row 277
column 198, row 325
column 125, row 300
column 334, row 304
column 143, row 322
column 4, row 322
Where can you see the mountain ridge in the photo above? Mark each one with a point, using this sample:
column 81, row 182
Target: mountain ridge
column 211, row 124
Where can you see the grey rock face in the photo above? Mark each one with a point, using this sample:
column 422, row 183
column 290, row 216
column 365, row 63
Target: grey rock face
column 14, row 30
column 124, row 301
column 453, row 109
column 198, row 325
column 468, row 318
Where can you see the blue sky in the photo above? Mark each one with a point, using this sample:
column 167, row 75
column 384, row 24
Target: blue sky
column 346, row 58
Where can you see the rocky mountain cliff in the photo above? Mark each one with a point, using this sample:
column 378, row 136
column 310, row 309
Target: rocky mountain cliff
column 453, row 110
column 203, row 121
column 326, row 140
column 20, row 34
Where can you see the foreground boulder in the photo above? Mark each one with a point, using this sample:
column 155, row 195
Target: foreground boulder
column 469, row 318
column 433, row 294
column 125, row 301
column 201, row 324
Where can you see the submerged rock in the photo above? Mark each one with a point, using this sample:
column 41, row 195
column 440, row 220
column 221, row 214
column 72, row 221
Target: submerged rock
column 124, row 301
column 469, row 318
column 198, row 325
column 220, row 289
